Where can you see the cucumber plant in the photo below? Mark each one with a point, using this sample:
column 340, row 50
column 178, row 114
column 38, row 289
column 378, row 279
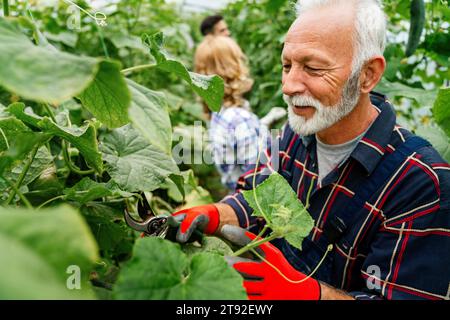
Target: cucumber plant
column 96, row 169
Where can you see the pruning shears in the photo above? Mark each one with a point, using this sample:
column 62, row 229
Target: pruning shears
column 163, row 226
column 152, row 227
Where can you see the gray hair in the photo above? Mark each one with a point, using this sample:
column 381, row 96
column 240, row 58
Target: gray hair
column 370, row 27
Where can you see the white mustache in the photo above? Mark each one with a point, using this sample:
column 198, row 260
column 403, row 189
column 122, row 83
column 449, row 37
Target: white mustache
column 303, row 101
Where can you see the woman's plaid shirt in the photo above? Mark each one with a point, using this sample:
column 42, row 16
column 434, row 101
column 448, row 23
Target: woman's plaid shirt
column 408, row 256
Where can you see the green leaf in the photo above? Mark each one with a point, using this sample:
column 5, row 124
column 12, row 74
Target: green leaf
column 88, row 190
column 149, row 114
column 108, row 227
column 49, row 241
column 9, row 127
column 40, row 73
column 84, row 138
column 197, row 197
column 210, row 88
column 178, row 193
column 42, row 162
column 441, row 110
column 12, row 126
column 396, row 89
column 437, row 137
column 3, row 112
column 121, row 40
column 160, row 270
column 108, row 97
column 20, row 145
column 68, row 38
column 281, row 208
column 3, row 141
column 438, row 42
column 273, row 6
column 209, row 244
column 133, row 163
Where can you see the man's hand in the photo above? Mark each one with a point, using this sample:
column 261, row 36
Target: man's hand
column 203, row 218
column 271, row 279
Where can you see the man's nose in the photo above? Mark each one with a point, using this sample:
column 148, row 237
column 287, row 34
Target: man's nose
column 293, row 83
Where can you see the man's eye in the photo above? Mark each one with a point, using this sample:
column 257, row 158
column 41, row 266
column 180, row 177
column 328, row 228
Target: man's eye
column 286, row 66
column 312, row 69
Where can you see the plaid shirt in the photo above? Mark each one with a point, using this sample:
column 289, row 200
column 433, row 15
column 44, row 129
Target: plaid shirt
column 234, row 133
column 408, row 254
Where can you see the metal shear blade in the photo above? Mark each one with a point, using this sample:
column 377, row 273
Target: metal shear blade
column 153, row 227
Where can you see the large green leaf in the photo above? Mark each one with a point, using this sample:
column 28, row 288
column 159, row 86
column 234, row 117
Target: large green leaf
column 42, row 162
column 210, row 88
column 68, row 38
column 209, row 244
column 277, row 202
column 19, row 146
column 108, row 97
column 9, row 127
column 36, row 250
column 84, row 138
column 441, row 110
column 160, row 270
column 397, row 89
column 133, row 163
column 88, row 190
column 40, row 73
column 437, row 137
column 121, row 40
column 108, row 227
column 150, row 115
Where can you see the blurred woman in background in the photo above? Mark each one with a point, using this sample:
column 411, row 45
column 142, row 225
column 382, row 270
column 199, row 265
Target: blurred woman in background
column 235, row 133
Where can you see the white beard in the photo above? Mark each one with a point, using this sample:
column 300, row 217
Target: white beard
column 325, row 116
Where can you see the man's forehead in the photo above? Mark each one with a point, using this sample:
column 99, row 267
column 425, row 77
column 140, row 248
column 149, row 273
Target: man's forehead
column 322, row 23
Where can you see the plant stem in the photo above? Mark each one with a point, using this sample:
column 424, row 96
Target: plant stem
column 65, row 148
column 101, row 284
column 329, row 249
column 6, row 8
column 309, row 192
column 138, row 14
column 69, row 163
column 260, row 235
column 24, row 172
column 50, row 201
column 163, row 203
column 253, row 245
column 49, row 112
column 138, row 68
column 254, row 184
column 21, row 196
column 102, row 41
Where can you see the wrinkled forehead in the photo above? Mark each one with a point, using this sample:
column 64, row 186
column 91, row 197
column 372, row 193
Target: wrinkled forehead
column 330, row 27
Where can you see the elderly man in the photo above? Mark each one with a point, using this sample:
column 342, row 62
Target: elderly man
column 381, row 195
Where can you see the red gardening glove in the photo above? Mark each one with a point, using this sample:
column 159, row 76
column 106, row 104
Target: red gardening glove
column 261, row 280
column 204, row 218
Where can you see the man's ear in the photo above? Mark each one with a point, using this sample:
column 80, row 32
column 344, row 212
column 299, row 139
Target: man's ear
column 371, row 74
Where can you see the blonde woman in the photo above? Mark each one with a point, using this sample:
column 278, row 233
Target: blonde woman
column 235, row 132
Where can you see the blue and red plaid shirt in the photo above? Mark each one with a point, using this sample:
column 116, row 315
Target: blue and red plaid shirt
column 407, row 255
